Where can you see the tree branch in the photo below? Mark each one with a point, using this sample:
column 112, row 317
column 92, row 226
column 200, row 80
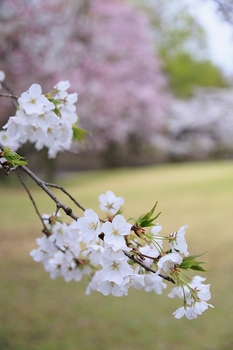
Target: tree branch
column 45, row 188
column 67, row 193
column 31, row 198
column 147, row 268
column 9, row 95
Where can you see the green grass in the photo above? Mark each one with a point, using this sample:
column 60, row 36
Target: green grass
column 37, row 313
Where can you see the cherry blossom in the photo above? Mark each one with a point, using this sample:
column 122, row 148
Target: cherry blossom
column 60, row 89
column 114, row 270
column 169, row 262
column 110, row 203
column 5, row 139
column 108, row 287
column 114, row 253
column 100, row 250
column 59, row 235
column 42, row 122
column 115, row 231
column 154, row 283
column 177, row 241
column 33, row 101
column 191, row 312
column 89, row 225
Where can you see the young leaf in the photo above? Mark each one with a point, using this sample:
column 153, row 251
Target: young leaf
column 191, row 263
column 147, row 219
column 13, row 158
column 79, row 134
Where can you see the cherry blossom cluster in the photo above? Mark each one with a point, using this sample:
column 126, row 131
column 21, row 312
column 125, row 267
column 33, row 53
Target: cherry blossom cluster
column 117, row 255
column 113, row 253
column 44, row 120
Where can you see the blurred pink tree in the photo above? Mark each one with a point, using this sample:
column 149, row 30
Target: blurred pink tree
column 104, row 48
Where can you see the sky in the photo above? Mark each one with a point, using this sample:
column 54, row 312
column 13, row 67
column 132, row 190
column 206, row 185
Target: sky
column 219, row 33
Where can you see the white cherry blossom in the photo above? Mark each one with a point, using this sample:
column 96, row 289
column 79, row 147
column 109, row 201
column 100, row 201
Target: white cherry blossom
column 115, row 271
column 191, row 312
column 110, row 203
column 33, row 101
column 108, row 287
column 54, row 264
column 45, row 250
column 59, row 236
column 60, row 89
column 89, row 225
column 168, row 262
column 115, row 231
column 154, row 283
column 135, row 280
column 40, row 121
column 8, row 141
column 178, row 242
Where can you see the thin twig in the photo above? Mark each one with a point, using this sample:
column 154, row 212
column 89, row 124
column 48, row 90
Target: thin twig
column 44, row 187
column 9, row 96
column 147, row 268
column 31, row 198
column 1, row 146
column 11, row 93
column 7, row 87
column 67, row 193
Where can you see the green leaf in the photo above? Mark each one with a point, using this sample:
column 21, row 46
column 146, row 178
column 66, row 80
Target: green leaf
column 147, row 219
column 191, row 263
column 79, row 133
column 13, row 158
column 54, row 101
column 198, row 268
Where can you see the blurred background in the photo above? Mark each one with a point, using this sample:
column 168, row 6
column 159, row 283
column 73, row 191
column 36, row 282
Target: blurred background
column 155, row 86
column 154, row 78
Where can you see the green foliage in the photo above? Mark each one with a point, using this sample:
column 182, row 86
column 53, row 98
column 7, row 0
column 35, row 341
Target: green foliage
column 147, row 219
column 186, row 72
column 191, row 263
column 180, row 40
column 13, row 158
column 79, row 133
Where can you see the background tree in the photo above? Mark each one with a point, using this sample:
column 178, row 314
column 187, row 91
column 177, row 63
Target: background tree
column 187, row 72
column 226, row 9
column 180, row 41
column 106, row 51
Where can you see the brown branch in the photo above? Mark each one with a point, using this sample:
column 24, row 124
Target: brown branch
column 67, row 193
column 11, row 93
column 9, row 96
column 147, row 268
column 45, row 188
column 31, row 198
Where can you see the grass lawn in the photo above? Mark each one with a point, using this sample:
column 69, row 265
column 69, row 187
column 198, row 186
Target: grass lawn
column 37, row 313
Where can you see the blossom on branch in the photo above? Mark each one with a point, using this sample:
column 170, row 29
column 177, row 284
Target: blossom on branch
column 47, row 121
column 103, row 251
column 115, row 254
